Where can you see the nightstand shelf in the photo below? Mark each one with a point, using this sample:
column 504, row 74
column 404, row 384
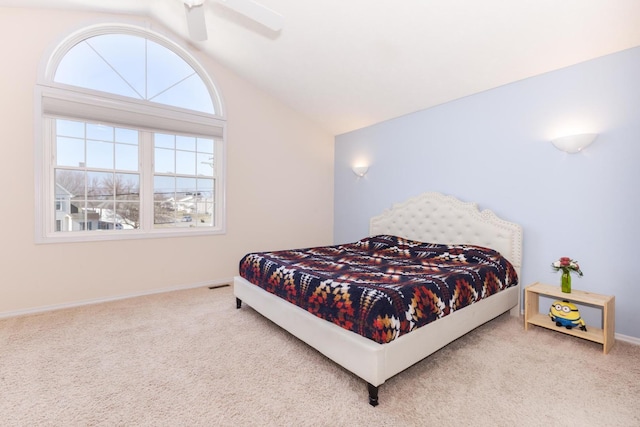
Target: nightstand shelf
column 532, row 315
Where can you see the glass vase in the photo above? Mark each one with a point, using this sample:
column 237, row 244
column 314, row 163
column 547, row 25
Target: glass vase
column 566, row 282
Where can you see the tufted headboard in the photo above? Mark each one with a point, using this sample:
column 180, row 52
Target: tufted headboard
column 436, row 218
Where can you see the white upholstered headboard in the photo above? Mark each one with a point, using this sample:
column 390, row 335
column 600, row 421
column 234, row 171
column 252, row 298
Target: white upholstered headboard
column 436, row 218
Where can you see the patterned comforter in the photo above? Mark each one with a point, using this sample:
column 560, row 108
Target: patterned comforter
column 381, row 287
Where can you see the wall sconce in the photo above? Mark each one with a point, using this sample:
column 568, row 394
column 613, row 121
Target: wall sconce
column 574, row 143
column 360, row 170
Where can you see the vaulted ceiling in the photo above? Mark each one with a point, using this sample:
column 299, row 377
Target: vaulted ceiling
column 347, row 64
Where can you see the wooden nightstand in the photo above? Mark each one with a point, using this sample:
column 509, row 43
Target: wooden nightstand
column 532, row 315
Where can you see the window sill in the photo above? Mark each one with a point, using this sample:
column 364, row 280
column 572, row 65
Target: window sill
column 99, row 236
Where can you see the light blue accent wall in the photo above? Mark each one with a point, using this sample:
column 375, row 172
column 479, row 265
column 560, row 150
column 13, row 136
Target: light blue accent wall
column 493, row 148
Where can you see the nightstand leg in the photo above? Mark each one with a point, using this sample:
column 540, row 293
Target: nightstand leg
column 608, row 324
column 531, row 306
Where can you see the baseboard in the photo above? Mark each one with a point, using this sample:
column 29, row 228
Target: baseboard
column 46, row 308
column 214, row 283
column 627, row 338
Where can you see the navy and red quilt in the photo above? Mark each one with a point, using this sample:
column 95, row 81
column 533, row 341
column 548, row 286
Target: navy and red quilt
column 381, row 287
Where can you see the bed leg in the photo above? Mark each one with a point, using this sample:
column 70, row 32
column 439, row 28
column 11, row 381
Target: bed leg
column 373, row 394
column 238, row 303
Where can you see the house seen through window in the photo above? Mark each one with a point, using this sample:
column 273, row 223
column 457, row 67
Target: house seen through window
column 132, row 140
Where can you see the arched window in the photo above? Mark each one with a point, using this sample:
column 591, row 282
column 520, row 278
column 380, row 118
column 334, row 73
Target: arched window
column 131, row 142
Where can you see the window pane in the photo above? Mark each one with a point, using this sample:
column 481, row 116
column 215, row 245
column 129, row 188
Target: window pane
column 82, row 66
column 205, row 165
column 205, row 202
column 70, row 193
column 185, row 186
column 163, row 140
column 205, row 145
column 134, row 67
column 164, row 161
column 99, row 132
column 127, row 215
column 128, row 136
column 167, row 67
column 70, row 128
column 127, row 205
column 164, row 206
column 186, row 162
column 185, row 143
column 186, row 190
column 126, row 55
column 127, row 187
column 69, row 183
column 69, row 152
column 100, row 155
column 126, row 157
column 164, row 187
column 100, row 187
column 198, row 97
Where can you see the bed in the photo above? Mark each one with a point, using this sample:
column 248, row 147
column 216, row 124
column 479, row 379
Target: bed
column 430, row 218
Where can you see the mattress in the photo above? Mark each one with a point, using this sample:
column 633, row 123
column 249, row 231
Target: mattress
column 381, row 287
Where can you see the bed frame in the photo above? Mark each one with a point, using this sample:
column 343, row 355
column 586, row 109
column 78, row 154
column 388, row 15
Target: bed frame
column 430, row 217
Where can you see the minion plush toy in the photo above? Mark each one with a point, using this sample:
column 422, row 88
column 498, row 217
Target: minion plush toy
column 566, row 314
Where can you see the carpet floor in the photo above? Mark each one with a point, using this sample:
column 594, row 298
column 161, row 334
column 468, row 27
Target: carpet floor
column 190, row 358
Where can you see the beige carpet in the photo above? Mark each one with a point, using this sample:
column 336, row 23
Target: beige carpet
column 189, row 358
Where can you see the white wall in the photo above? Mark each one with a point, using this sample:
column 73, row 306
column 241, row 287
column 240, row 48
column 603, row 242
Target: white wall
column 270, row 147
column 493, row 148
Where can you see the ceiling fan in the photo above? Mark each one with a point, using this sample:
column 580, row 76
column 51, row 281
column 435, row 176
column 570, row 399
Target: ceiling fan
column 194, row 10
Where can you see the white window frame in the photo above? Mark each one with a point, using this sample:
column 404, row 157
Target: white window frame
column 54, row 100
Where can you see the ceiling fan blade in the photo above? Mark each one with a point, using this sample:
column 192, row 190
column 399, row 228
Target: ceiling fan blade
column 257, row 12
column 196, row 22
